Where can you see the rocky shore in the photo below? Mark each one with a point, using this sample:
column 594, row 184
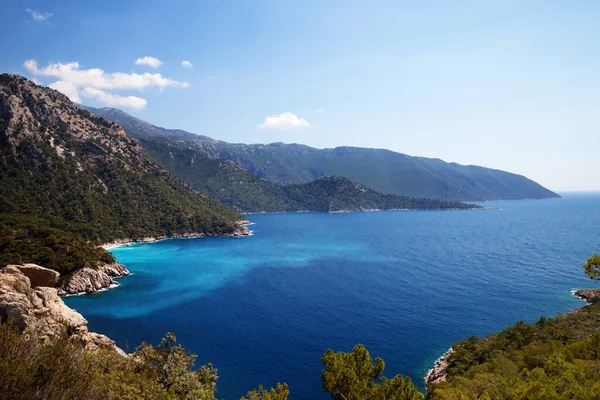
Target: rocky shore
column 589, row 295
column 29, row 300
column 439, row 372
column 90, row 280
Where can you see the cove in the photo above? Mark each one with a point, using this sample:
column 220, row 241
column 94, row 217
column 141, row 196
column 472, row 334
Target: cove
column 406, row 284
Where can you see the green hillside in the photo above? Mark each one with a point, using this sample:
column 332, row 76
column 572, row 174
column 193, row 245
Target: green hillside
column 72, row 180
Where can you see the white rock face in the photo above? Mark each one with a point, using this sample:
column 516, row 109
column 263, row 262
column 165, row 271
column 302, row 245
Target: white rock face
column 41, row 314
column 89, row 280
column 39, row 276
column 114, row 270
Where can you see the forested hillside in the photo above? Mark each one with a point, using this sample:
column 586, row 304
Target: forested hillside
column 71, row 180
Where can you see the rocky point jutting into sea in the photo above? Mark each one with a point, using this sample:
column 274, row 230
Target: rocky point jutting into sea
column 30, row 301
column 90, row 280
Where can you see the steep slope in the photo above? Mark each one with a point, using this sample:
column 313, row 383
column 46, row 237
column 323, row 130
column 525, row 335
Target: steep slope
column 71, row 179
column 381, row 170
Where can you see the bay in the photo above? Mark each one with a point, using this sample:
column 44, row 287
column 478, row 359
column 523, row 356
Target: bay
column 406, row 284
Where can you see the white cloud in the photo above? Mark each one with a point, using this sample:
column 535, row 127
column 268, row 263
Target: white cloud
column 283, row 121
column 39, row 16
column 75, row 82
column 149, row 61
column 68, row 89
column 97, row 78
column 320, row 110
column 113, row 99
column 186, row 64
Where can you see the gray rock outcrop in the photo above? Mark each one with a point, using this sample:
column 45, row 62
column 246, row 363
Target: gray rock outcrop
column 114, row 270
column 40, row 313
column 589, row 295
column 90, row 280
column 439, row 372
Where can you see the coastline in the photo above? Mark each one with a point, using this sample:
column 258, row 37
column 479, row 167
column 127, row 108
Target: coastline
column 438, row 372
column 369, row 210
column 89, row 280
column 241, row 231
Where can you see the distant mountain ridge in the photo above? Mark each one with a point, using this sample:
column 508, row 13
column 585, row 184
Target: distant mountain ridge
column 382, row 170
column 228, row 182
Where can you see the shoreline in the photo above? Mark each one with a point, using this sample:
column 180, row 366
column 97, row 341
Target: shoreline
column 438, row 372
column 369, row 210
column 107, row 282
column 153, row 239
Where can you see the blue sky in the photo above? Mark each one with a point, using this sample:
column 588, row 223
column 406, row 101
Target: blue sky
column 505, row 84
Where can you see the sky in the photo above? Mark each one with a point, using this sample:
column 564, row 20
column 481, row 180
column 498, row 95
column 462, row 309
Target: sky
column 505, row 84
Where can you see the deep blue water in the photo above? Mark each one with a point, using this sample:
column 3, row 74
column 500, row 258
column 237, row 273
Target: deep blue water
column 406, row 284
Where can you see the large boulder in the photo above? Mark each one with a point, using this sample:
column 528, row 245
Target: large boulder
column 35, row 311
column 39, row 276
column 40, row 313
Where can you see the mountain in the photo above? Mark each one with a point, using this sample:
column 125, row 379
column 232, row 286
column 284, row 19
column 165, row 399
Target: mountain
column 381, row 170
column 71, row 180
column 334, row 193
column 227, row 181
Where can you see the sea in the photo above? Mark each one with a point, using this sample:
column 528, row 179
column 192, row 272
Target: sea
column 407, row 284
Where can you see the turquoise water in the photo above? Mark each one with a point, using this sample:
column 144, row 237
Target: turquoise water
column 406, row 284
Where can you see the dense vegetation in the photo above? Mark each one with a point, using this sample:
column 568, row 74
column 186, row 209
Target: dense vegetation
column 71, row 180
column 381, row 170
column 335, row 194
column 62, row 370
column 28, row 239
column 592, row 267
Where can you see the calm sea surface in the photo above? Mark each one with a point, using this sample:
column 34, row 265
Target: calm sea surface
column 406, row 284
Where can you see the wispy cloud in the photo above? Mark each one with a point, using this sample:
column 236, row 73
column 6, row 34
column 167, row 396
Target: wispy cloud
column 39, row 16
column 284, row 121
column 320, row 110
column 186, row 64
column 113, row 99
column 149, row 61
column 95, row 83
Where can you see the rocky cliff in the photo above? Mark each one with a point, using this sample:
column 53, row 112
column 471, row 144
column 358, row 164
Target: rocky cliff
column 90, row 280
column 33, row 306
